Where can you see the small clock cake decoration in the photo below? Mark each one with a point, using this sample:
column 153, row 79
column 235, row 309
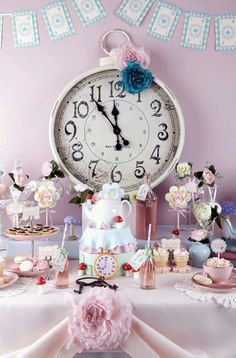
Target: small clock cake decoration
column 106, row 266
column 117, row 122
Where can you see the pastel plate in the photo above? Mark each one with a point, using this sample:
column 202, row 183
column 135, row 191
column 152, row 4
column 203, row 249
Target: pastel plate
column 13, row 276
column 29, row 273
column 42, row 236
column 224, row 286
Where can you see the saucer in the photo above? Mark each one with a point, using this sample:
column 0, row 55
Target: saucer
column 224, row 286
column 14, row 277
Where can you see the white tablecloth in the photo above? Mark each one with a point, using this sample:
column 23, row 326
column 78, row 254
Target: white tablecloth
column 202, row 329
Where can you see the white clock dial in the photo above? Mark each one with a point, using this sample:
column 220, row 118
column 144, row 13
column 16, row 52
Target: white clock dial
column 106, row 265
column 100, row 133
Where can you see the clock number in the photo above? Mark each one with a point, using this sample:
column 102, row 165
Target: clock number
column 139, row 97
column 156, row 154
column 117, row 87
column 139, row 171
column 116, row 176
column 163, row 135
column 70, row 128
column 77, row 155
column 98, row 92
column 156, row 105
column 92, row 165
column 82, row 109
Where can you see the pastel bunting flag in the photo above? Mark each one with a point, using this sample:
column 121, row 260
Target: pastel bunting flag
column 134, row 11
column 58, row 21
column 225, row 32
column 164, row 21
column 195, row 31
column 25, row 28
column 89, row 11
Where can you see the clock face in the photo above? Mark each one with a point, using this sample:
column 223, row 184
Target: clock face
column 101, row 133
column 106, row 265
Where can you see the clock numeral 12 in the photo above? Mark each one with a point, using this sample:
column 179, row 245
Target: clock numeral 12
column 156, row 154
column 140, row 170
column 82, row 109
column 116, row 176
column 77, row 154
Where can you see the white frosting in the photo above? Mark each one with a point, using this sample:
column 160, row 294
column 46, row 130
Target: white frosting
column 26, row 266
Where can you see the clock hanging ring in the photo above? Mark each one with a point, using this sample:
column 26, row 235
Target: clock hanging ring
column 103, row 130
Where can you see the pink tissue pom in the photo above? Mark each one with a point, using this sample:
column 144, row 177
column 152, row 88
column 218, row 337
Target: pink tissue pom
column 128, row 52
column 100, row 320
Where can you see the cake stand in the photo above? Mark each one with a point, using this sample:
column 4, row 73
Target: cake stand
column 3, row 204
column 32, row 238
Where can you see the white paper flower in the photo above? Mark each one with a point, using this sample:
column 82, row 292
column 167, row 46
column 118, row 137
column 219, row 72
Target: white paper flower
column 178, row 197
column 47, row 195
column 183, row 169
column 218, row 246
column 111, row 191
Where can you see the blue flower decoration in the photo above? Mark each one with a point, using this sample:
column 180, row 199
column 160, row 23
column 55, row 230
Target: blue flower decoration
column 135, row 78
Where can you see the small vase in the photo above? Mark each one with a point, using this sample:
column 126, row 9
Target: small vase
column 198, row 253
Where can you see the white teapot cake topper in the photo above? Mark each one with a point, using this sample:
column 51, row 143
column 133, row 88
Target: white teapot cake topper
column 108, row 206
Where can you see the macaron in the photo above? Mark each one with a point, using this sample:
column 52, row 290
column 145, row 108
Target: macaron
column 26, row 266
column 20, row 259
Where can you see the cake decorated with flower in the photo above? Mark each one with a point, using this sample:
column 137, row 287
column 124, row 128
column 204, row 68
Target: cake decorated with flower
column 107, row 230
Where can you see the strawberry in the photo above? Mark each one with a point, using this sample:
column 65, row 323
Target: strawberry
column 40, row 281
column 118, row 219
column 82, row 266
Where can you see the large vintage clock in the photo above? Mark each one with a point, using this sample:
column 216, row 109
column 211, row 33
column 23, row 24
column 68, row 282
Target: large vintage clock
column 101, row 133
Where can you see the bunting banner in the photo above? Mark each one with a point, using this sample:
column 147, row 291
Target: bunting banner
column 164, row 21
column 58, row 21
column 162, row 24
column 89, row 11
column 225, row 32
column 195, row 31
column 134, row 11
column 25, row 28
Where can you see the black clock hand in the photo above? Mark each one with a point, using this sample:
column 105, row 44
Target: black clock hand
column 115, row 114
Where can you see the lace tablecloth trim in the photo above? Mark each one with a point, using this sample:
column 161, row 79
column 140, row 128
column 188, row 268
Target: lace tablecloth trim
column 228, row 300
column 21, row 286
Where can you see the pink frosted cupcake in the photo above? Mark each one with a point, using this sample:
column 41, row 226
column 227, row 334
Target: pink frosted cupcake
column 181, row 257
column 218, row 269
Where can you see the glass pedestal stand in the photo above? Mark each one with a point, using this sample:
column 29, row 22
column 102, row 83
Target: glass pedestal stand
column 3, row 204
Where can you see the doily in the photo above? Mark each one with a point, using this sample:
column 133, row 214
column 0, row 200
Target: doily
column 21, row 286
column 228, row 300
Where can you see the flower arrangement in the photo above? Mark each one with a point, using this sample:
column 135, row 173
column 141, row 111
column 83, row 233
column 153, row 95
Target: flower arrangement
column 207, row 176
column 51, row 170
column 20, row 179
column 183, row 170
column 133, row 63
column 83, row 193
column 200, row 235
column 47, row 195
column 100, row 320
column 207, row 213
column 178, row 197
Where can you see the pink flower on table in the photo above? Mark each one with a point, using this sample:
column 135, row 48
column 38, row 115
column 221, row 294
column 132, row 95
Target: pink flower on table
column 46, row 169
column 208, row 176
column 80, row 187
column 199, row 235
column 100, row 320
column 128, row 52
column 21, row 179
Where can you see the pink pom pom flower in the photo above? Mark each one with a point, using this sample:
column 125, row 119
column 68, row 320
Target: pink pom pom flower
column 129, row 53
column 101, row 320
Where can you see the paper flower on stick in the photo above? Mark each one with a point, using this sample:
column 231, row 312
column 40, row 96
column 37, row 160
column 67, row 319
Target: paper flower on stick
column 47, row 195
column 178, row 197
column 100, row 320
column 218, row 246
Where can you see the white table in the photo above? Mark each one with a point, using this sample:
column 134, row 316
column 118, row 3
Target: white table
column 192, row 325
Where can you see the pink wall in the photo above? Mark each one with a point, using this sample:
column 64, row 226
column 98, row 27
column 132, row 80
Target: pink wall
column 203, row 82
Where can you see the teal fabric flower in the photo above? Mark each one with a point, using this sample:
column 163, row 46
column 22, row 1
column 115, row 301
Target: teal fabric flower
column 135, row 78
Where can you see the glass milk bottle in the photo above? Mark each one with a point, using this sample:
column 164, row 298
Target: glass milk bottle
column 61, row 279
column 147, row 271
column 146, row 211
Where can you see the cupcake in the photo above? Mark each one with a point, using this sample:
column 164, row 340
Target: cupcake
column 161, row 257
column 181, row 257
column 2, row 265
column 218, row 269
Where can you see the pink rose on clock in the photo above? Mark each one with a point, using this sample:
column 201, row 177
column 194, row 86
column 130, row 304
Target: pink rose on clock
column 208, row 176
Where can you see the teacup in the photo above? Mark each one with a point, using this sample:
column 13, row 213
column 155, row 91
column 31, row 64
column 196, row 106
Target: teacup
column 218, row 274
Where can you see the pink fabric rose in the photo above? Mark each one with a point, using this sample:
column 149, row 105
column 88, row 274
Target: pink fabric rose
column 46, row 169
column 208, row 176
column 199, row 235
column 128, row 52
column 100, row 320
column 80, row 187
column 95, row 198
column 21, row 179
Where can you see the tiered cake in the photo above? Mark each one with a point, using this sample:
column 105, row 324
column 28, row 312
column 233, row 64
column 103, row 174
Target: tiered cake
column 107, row 242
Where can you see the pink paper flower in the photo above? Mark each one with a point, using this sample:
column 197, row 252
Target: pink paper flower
column 46, row 169
column 199, row 235
column 208, row 176
column 20, row 178
column 95, row 198
column 128, row 52
column 100, row 320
